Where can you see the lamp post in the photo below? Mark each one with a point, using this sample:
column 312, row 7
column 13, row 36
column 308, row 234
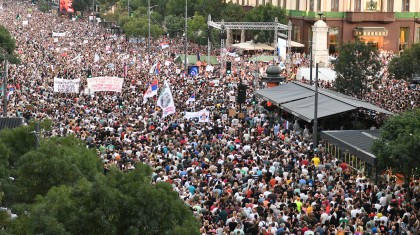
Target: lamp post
column 186, row 37
column 148, row 36
column 315, row 127
column 5, row 68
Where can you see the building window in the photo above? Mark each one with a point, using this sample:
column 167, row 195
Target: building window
column 404, row 34
column 278, row 3
column 333, row 40
column 390, row 6
column 243, row 2
column 405, row 5
column 334, row 5
column 263, row 2
column 284, row 4
column 358, row 5
column 297, row 4
column 311, row 5
column 417, row 39
column 318, row 5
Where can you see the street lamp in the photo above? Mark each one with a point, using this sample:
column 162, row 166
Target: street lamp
column 186, row 36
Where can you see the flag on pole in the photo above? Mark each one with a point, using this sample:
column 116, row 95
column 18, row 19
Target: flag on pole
column 164, row 45
column 157, row 70
column 166, row 101
column 191, row 99
column 151, row 90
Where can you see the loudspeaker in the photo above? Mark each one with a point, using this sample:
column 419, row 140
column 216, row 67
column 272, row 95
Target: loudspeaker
column 241, row 94
column 223, row 36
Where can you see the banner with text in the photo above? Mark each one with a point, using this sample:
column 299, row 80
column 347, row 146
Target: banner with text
column 66, row 85
column 105, row 84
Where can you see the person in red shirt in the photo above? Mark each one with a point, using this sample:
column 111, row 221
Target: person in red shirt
column 343, row 166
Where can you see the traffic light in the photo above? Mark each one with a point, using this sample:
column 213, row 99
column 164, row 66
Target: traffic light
column 254, row 100
column 228, row 67
column 241, row 94
column 89, row 73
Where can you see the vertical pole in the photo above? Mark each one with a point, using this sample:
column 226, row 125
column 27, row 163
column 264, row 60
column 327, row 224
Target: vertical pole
column 5, row 74
column 276, row 20
column 310, row 62
column 128, row 8
column 37, row 134
column 315, row 130
column 289, row 46
column 186, row 37
column 208, row 41
column 222, row 47
column 148, row 37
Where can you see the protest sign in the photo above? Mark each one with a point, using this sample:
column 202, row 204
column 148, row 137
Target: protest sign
column 66, row 85
column 105, row 84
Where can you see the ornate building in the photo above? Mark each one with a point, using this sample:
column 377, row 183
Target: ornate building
column 386, row 24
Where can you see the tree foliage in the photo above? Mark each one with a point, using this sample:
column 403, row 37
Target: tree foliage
column 7, row 46
column 266, row 13
column 59, row 188
column 399, row 143
column 407, row 65
column 357, row 68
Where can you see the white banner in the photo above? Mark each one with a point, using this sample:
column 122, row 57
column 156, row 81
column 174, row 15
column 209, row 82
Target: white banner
column 66, row 85
column 202, row 115
column 55, row 34
column 166, row 101
column 105, row 84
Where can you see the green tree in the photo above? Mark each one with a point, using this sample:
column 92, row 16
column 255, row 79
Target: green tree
column 266, row 13
column 356, row 68
column 210, row 7
column 116, row 203
column 197, row 29
column 177, row 7
column 174, row 25
column 43, row 6
column 232, row 12
column 407, row 65
column 7, row 46
column 58, row 161
column 399, row 143
column 82, row 5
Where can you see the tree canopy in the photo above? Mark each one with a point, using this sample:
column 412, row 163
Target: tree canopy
column 60, row 188
column 357, row 67
column 7, row 46
column 407, row 65
column 399, row 143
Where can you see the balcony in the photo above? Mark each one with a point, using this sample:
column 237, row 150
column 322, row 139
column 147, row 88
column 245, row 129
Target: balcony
column 383, row 17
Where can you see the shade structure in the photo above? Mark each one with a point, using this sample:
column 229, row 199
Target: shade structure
column 298, row 99
column 250, row 46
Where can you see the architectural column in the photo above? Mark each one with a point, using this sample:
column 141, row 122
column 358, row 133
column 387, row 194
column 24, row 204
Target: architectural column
column 320, row 43
column 243, row 35
column 228, row 37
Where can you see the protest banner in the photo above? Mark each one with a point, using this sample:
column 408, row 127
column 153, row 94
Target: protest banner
column 56, row 34
column 66, row 85
column 105, row 84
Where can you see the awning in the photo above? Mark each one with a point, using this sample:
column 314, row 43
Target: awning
column 371, row 31
column 357, row 142
column 296, row 44
column 298, row 99
column 304, row 108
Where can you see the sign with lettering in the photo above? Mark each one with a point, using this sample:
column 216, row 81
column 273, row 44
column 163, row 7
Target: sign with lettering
column 105, row 84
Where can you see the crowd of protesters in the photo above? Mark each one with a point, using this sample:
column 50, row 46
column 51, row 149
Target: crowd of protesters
column 250, row 175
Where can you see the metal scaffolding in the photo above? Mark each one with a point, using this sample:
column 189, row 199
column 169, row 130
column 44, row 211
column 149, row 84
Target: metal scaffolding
column 276, row 26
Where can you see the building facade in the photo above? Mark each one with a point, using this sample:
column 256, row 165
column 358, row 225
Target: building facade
column 391, row 25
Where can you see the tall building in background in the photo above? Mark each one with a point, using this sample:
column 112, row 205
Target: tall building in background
column 385, row 24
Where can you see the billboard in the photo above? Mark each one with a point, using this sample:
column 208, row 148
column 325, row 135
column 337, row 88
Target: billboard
column 66, row 6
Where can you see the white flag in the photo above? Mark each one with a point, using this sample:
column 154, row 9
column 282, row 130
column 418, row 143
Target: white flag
column 166, row 101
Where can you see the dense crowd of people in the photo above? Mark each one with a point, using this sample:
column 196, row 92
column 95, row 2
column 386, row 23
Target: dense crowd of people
column 250, row 175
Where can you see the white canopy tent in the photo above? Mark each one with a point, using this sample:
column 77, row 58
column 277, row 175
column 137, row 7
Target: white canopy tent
column 251, row 46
